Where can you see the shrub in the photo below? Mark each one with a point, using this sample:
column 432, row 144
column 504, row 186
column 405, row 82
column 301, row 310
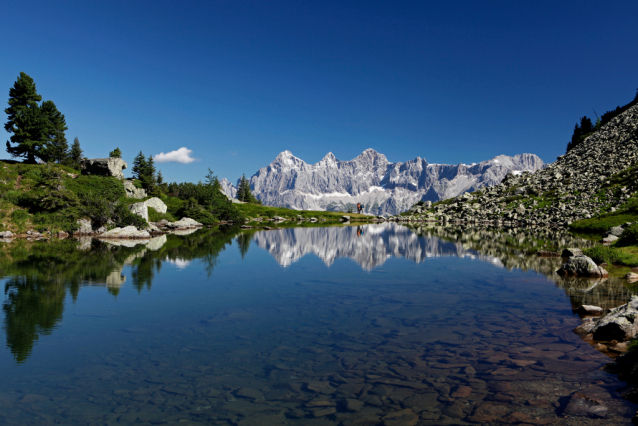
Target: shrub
column 629, row 237
column 611, row 255
column 155, row 216
column 19, row 215
column 122, row 216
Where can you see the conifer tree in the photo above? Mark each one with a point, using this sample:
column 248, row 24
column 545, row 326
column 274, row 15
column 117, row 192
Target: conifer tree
column 116, row 153
column 25, row 121
column 139, row 166
column 57, row 146
column 75, row 154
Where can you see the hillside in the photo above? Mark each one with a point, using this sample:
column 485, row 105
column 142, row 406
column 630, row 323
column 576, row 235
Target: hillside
column 596, row 177
column 381, row 186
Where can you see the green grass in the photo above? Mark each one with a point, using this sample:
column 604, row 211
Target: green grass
column 627, row 256
column 267, row 212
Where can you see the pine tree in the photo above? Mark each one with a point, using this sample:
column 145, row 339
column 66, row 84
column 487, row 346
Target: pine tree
column 116, row 153
column 25, row 120
column 212, row 180
column 75, row 154
column 243, row 191
column 139, row 166
column 149, row 180
column 57, row 146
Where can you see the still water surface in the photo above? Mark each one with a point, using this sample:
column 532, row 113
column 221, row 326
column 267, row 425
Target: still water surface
column 380, row 324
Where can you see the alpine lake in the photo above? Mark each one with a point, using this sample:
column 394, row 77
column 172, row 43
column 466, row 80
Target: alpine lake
column 381, row 324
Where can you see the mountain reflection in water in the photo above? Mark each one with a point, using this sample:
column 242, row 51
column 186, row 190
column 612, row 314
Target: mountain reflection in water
column 39, row 276
column 239, row 336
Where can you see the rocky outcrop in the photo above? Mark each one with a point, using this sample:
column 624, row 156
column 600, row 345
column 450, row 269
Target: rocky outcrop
column 582, row 266
column 619, row 324
column 126, row 232
column 157, row 204
column 576, row 186
column 381, row 186
column 139, row 209
column 183, row 223
column 111, row 166
column 84, row 227
column 132, row 191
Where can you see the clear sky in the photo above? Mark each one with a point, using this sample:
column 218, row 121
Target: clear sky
column 237, row 82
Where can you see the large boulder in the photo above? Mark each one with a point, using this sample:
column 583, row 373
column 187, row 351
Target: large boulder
column 6, row 234
column 582, row 266
column 184, row 223
column 157, row 204
column 132, row 191
column 111, row 166
column 619, row 324
column 126, row 232
column 139, row 209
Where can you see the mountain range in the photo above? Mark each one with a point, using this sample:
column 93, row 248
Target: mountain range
column 381, row 186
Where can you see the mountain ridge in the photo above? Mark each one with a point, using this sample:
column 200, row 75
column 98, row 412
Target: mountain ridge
column 382, row 186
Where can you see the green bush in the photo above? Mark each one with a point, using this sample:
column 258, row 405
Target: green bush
column 199, row 214
column 122, row 216
column 108, row 188
column 629, row 237
column 19, row 215
column 173, row 205
column 154, row 216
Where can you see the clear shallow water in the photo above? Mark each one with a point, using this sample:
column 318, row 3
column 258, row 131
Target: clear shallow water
column 316, row 326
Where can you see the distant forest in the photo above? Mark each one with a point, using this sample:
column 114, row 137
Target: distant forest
column 586, row 127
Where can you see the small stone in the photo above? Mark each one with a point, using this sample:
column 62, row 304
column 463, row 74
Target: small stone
column 590, row 309
column 462, row 392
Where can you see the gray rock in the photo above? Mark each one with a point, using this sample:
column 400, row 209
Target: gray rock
column 84, row 228
column 589, row 310
column 618, row 324
column 184, row 223
column 569, row 252
column 617, row 231
column 139, row 209
column 582, row 266
column 157, row 204
column 278, row 218
column 609, row 239
column 6, row 234
column 111, row 166
column 132, row 191
column 345, row 218
column 126, row 232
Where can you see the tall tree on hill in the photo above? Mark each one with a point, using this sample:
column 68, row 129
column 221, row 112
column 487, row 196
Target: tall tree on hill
column 57, row 146
column 243, row 191
column 139, row 166
column 25, row 120
column 75, row 154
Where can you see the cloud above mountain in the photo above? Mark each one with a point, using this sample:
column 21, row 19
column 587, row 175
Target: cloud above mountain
column 182, row 155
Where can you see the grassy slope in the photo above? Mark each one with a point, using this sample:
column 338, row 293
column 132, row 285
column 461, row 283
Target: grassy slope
column 49, row 198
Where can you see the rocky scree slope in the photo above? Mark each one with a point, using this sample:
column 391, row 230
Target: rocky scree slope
column 381, row 186
column 597, row 176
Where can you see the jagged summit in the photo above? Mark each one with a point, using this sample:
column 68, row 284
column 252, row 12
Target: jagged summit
column 369, row 178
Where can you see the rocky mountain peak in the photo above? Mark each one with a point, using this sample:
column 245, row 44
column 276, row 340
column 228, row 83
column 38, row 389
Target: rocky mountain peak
column 382, row 187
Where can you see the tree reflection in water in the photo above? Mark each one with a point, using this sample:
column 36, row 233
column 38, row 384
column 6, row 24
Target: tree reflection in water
column 39, row 275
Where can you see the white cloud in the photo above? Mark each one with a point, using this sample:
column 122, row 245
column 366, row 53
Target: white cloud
column 233, row 153
column 182, row 155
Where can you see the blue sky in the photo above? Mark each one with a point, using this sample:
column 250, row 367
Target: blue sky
column 237, row 82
